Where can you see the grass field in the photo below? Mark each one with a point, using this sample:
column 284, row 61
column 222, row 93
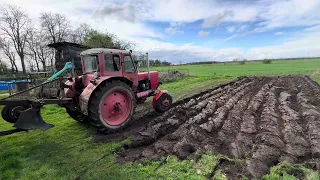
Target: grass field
column 251, row 68
column 68, row 152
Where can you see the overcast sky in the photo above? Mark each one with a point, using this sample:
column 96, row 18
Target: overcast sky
column 199, row 30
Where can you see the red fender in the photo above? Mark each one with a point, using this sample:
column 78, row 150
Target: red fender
column 86, row 94
column 157, row 96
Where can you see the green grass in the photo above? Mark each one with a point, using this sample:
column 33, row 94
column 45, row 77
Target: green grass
column 67, row 151
column 4, row 92
column 287, row 171
column 251, row 68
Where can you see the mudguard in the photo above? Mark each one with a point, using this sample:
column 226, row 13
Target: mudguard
column 86, row 93
column 157, row 96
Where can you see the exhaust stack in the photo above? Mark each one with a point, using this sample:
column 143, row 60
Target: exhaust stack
column 148, row 66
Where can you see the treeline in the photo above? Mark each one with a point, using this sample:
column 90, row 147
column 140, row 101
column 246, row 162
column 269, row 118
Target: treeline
column 21, row 41
column 245, row 60
column 153, row 63
column 203, row 62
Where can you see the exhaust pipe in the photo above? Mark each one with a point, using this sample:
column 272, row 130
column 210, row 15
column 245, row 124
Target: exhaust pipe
column 148, row 66
column 144, row 93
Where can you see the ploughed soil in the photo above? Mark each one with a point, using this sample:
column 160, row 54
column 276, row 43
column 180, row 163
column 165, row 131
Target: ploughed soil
column 260, row 120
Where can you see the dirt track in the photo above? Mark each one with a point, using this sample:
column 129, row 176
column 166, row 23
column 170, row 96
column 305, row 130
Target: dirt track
column 262, row 120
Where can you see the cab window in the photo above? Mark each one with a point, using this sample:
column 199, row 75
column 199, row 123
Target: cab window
column 128, row 64
column 90, row 63
column 112, row 62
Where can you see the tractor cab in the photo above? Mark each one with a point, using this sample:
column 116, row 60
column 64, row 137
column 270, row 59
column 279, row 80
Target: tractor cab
column 115, row 63
column 107, row 62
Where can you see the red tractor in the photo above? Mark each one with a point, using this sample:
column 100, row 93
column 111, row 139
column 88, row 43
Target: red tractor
column 105, row 94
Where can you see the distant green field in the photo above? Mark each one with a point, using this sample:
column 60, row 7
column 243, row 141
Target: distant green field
column 68, row 152
column 250, row 68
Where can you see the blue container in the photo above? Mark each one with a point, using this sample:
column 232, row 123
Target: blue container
column 4, row 84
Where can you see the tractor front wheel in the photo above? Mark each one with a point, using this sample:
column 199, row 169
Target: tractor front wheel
column 111, row 106
column 163, row 103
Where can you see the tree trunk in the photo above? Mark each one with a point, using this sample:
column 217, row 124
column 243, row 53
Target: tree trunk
column 15, row 66
column 36, row 60
column 37, row 64
column 44, row 65
column 22, row 63
column 51, row 61
column 12, row 67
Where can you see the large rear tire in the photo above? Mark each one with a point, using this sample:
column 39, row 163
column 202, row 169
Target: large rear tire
column 111, row 106
column 76, row 115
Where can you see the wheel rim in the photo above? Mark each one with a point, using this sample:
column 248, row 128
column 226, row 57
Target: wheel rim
column 15, row 112
column 165, row 103
column 115, row 107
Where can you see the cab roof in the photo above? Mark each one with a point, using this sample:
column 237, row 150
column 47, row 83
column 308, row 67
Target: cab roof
column 103, row 50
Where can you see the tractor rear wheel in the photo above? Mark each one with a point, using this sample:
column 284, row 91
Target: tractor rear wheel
column 11, row 113
column 111, row 106
column 76, row 115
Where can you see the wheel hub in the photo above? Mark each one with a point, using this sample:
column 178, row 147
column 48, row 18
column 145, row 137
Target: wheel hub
column 115, row 107
column 165, row 103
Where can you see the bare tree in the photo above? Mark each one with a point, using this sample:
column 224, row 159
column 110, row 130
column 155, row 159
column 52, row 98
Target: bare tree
column 40, row 52
column 56, row 26
column 77, row 35
column 31, row 64
column 44, row 54
column 9, row 53
column 50, row 57
column 33, row 43
column 14, row 23
column 3, row 67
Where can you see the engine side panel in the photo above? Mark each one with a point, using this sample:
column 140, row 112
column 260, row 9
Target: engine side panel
column 154, row 78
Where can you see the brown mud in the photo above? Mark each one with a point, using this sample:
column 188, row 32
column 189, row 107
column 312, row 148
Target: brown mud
column 260, row 120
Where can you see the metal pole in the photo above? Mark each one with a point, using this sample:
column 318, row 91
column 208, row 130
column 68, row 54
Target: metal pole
column 72, row 70
column 148, row 66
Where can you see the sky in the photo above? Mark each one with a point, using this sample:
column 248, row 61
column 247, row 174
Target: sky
column 199, row 30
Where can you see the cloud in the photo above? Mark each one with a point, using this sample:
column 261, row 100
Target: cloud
column 242, row 28
column 174, row 28
column 211, row 21
column 79, row 11
column 251, row 32
column 277, row 14
column 211, row 11
column 301, row 46
column 231, row 37
column 278, row 33
column 313, row 28
column 187, row 52
column 125, row 12
column 203, row 33
column 231, row 29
